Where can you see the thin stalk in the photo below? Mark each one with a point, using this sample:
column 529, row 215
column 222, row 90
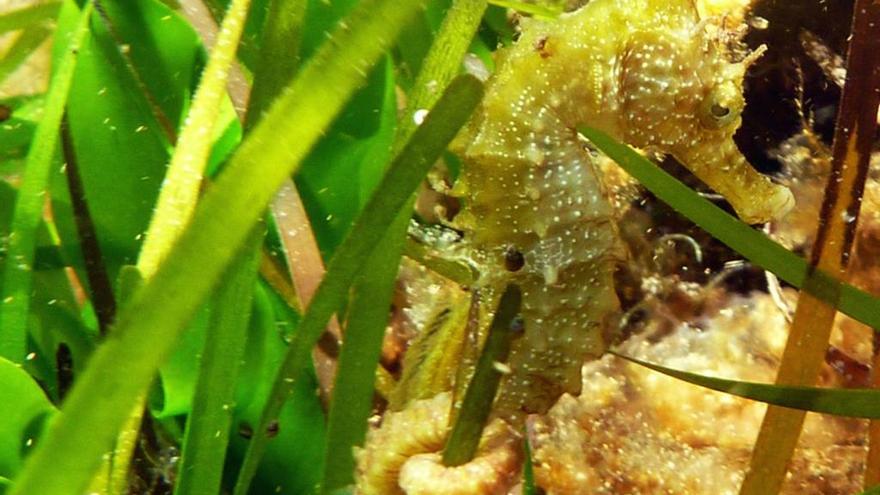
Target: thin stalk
column 168, row 129
column 183, row 180
column 849, row 402
column 274, row 272
column 180, row 191
column 278, row 62
column 209, row 420
column 26, row 217
column 752, row 244
column 199, row 16
column 99, row 281
column 453, row 270
column 306, row 269
column 529, row 487
column 392, row 194
column 354, row 387
column 477, row 403
column 368, row 316
column 442, row 63
column 149, row 325
column 814, row 317
column 279, row 55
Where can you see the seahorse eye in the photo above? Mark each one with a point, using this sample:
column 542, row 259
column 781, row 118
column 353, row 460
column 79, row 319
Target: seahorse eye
column 715, row 113
column 719, row 111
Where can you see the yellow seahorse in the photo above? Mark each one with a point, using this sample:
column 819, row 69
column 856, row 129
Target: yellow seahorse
column 650, row 73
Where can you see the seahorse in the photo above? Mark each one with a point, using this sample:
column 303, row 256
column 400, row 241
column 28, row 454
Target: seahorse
column 650, row 73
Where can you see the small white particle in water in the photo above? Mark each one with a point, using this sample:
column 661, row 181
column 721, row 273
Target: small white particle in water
column 31, row 356
column 419, row 116
column 502, row 368
column 759, row 23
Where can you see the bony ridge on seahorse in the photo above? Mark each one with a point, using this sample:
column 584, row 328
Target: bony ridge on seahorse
column 650, row 73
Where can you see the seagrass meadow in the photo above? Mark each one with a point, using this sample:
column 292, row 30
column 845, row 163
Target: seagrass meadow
column 439, row 247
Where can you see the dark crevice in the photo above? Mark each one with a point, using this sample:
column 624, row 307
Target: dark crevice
column 64, row 365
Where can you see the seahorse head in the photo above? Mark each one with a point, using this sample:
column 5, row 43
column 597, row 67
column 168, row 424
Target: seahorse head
column 681, row 92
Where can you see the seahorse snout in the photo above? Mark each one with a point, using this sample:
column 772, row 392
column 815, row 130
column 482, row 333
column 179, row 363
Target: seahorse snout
column 722, row 167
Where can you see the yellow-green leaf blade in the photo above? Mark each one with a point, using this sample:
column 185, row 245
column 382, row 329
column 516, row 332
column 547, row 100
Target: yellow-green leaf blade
column 148, row 327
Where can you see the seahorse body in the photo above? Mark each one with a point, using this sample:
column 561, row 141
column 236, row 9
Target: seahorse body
column 647, row 72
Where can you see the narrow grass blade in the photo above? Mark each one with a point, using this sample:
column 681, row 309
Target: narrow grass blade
column 813, row 321
column 305, row 268
column 278, row 61
column 209, row 420
column 279, row 55
column 480, row 394
column 392, row 194
column 17, row 277
column 147, row 329
column 183, row 180
column 27, row 42
column 352, row 399
column 200, row 18
column 175, row 206
column 442, row 63
column 851, row 402
column 354, row 386
column 100, row 288
column 208, row 424
column 26, row 16
column 529, row 487
column 458, row 272
column 353, row 391
column 750, row 243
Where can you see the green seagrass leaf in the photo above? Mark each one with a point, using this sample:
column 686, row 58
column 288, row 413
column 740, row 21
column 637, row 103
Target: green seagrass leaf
column 853, row 402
